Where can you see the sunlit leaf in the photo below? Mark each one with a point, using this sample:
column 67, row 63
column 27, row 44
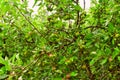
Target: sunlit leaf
column 104, row 61
column 3, row 76
column 74, row 73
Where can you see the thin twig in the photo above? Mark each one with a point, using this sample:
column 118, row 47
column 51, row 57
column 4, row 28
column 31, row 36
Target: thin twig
column 34, row 27
column 84, row 4
column 78, row 13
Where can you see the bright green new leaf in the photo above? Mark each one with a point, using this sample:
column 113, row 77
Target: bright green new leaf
column 74, row 73
column 116, row 52
column 104, row 61
column 119, row 58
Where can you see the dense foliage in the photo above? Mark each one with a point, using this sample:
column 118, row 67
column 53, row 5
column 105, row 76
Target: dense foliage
column 62, row 42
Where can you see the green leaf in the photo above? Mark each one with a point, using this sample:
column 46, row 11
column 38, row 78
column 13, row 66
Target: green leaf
column 108, row 51
column 19, row 61
column 2, row 60
column 100, row 1
column 59, row 78
column 88, row 44
column 104, row 61
column 74, row 73
column 5, row 7
column 113, row 41
column 97, row 45
column 12, row 59
column 89, row 36
column 116, row 52
column 92, row 62
column 77, row 7
column 3, row 76
column 73, row 58
column 119, row 58
column 111, row 27
column 62, row 60
column 35, row 3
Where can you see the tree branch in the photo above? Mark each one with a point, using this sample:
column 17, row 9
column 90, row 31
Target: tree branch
column 84, row 4
column 78, row 13
column 34, row 27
